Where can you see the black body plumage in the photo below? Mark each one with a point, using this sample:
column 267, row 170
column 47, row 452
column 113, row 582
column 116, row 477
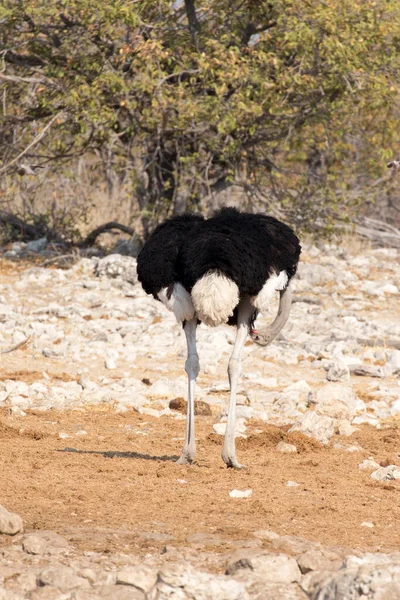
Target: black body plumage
column 246, row 247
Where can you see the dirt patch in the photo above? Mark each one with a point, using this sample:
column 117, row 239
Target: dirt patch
column 7, row 432
column 113, row 483
column 32, row 376
column 272, row 435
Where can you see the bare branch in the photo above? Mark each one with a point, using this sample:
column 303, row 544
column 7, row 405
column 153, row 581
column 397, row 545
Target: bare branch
column 22, row 344
column 93, row 235
column 35, row 141
column 17, row 79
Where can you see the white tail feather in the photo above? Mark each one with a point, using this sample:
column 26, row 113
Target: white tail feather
column 214, row 298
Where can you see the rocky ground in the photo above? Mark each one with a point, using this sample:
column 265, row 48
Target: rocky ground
column 91, row 423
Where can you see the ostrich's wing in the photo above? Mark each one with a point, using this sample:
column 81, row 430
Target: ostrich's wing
column 158, row 263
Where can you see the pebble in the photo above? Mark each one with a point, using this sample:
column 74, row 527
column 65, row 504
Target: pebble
column 141, row 577
column 44, row 542
column 314, row 425
column 110, row 363
column 61, row 577
column 277, row 568
column 286, row 448
column 240, row 428
column 369, row 464
column 240, row 493
column 10, row 523
column 339, row 371
column 386, row 473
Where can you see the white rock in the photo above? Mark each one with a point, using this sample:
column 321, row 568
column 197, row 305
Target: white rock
column 62, row 577
column 344, row 428
column 369, row 464
column 386, row 473
column 181, row 582
column 116, row 265
column 298, row 386
column 292, row 484
column 359, row 578
column 44, row 542
column 339, row 371
column 277, row 568
column 389, row 288
column 164, row 388
column 316, row 426
column 366, row 418
column 286, row 448
column 266, row 534
column 141, row 577
column 394, row 360
column 39, row 387
column 10, row 523
column 240, row 427
column 240, row 493
column 110, row 363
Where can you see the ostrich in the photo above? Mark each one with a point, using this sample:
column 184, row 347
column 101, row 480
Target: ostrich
column 224, row 269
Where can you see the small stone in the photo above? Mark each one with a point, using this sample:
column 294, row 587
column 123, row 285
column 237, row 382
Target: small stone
column 240, row 493
column 290, row 544
column 53, row 353
column 240, row 428
column 367, row 524
column 10, row 523
column 286, row 448
column 62, row 577
column 277, row 568
column 43, row 593
column 141, row 577
column 389, row 288
column 116, row 265
column 110, row 363
column 394, row 360
column 337, row 401
column 266, row 534
column 44, row 542
column 344, row 428
column 339, row 371
column 319, row 559
column 292, row 484
column 316, row 426
column 386, row 473
column 369, row 371
column 36, row 245
column 369, row 464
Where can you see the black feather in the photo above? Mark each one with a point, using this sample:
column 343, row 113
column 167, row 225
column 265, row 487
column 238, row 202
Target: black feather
column 246, row 247
column 158, row 262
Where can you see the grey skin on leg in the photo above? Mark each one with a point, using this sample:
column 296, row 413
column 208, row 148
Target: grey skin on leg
column 192, row 368
column 245, row 313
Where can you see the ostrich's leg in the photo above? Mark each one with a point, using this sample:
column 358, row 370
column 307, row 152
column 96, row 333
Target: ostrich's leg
column 245, row 313
column 192, row 368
